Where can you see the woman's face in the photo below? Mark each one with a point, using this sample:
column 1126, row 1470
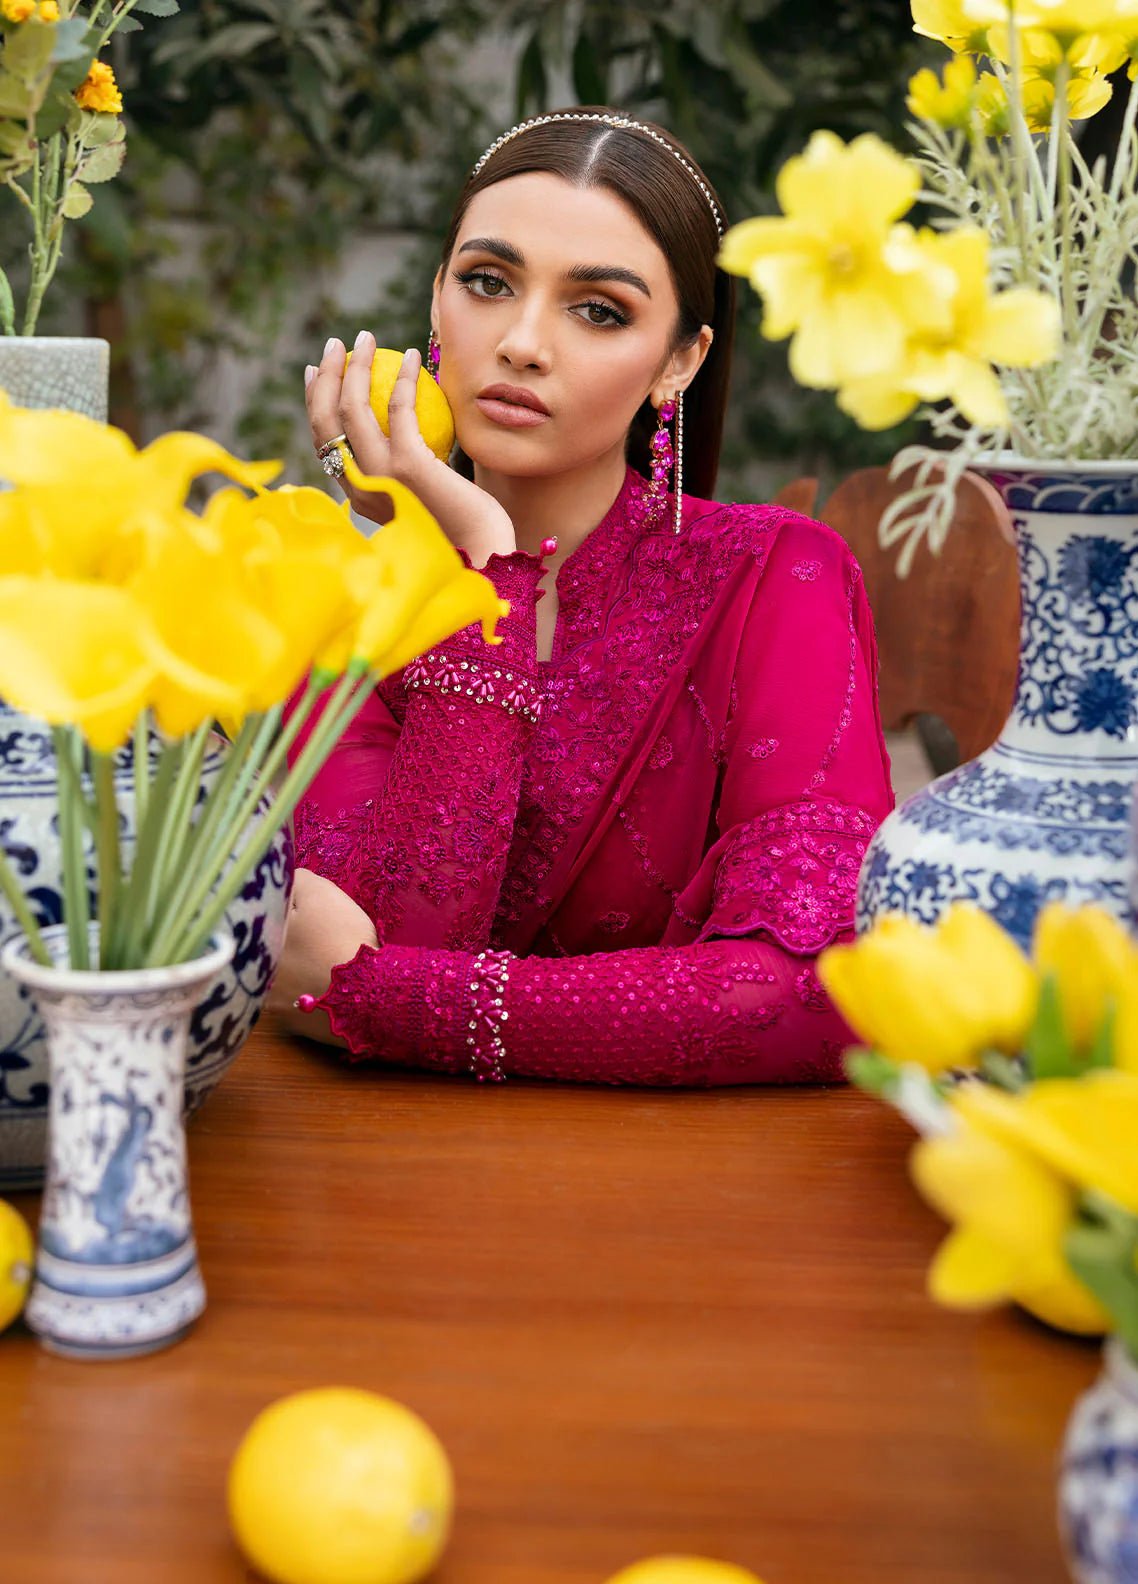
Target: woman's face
column 555, row 295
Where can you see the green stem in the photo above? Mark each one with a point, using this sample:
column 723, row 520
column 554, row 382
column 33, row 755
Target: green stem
column 18, row 902
column 168, row 853
column 1063, row 201
column 204, row 880
column 116, row 18
column 348, row 699
column 72, row 822
column 141, row 767
column 1022, row 152
column 109, row 856
column 148, row 836
column 212, row 835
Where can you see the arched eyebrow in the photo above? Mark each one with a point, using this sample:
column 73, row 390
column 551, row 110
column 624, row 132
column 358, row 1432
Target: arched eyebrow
column 588, row 274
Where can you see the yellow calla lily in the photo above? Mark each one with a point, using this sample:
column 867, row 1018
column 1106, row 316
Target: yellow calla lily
column 1093, row 962
column 940, row 996
column 96, row 668
column 420, row 592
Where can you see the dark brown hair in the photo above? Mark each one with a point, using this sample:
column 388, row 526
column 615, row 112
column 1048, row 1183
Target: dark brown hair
column 670, row 206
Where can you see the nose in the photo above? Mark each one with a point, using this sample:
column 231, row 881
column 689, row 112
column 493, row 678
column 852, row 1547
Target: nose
column 526, row 339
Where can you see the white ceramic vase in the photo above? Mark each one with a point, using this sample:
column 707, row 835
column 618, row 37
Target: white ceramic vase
column 1098, row 1476
column 116, row 1265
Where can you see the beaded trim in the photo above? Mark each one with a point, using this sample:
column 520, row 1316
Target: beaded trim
column 487, row 1014
column 625, row 124
column 516, row 694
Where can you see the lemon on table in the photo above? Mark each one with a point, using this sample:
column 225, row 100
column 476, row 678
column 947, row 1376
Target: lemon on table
column 15, row 1262
column 684, row 1570
column 339, row 1486
column 436, row 423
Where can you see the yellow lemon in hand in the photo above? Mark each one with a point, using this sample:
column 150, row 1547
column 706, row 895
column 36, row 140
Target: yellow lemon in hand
column 338, row 1486
column 15, row 1262
column 684, row 1570
column 436, row 423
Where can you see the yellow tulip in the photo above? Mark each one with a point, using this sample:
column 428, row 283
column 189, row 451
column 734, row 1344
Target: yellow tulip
column 948, row 22
column 75, row 654
column 950, row 103
column 939, row 997
column 1084, row 1129
column 1094, row 964
column 420, row 590
column 836, row 271
column 1016, row 328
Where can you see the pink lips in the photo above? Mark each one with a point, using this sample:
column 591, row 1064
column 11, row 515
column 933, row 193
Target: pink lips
column 512, row 405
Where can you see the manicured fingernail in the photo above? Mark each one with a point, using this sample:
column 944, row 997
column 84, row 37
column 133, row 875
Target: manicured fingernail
column 361, row 340
column 309, row 375
column 329, row 345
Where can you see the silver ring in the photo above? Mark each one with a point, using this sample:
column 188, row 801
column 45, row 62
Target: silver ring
column 333, row 463
column 329, row 445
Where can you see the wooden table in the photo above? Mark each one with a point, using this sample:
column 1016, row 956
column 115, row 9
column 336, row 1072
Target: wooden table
column 638, row 1321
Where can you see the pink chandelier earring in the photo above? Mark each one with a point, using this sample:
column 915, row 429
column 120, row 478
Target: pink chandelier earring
column 668, row 458
column 433, row 356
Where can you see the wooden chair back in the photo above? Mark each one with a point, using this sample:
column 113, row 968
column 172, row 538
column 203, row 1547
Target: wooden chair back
column 948, row 633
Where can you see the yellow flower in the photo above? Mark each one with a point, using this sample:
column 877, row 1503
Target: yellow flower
column 17, row 10
column 947, row 21
column 1018, row 328
column 949, row 105
column 939, row 997
column 100, row 91
column 1068, row 21
column 49, row 11
column 1087, row 62
column 421, row 592
column 52, row 456
column 1094, row 964
column 75, row 654
column 1009, row 1177
column 825, row 270
column 1010, row 1217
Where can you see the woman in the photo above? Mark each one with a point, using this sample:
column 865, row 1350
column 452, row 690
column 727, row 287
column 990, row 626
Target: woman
column 610, row 848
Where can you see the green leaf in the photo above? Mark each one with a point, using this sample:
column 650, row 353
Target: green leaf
column 1102, row 1251
column 1101, row 1053
column 98, row 129
column 59, row 110
column 103, row 164
column 74, row 40
column 70, row 73
column 128, row 24
column 157, row 8
column 1047, row 1051
column 13, row 138
column 531, row 85
column 28, row 52
column 15, row 97
column 77, row 203
column 7, row 306
column 588, row 76
column 869, row 1070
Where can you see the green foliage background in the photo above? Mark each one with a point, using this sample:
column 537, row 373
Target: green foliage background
column 267, row 136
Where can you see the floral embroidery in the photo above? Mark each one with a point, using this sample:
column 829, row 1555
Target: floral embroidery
column 806, row 571
column 762, row 747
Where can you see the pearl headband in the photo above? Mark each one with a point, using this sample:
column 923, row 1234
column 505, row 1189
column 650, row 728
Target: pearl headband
column 624, row 124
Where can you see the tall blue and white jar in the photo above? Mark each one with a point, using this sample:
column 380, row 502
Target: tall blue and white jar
column 1044, row 814
column 117, row 1269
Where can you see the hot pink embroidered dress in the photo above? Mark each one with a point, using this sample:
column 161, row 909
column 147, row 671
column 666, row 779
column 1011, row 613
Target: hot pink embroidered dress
column 618, row 865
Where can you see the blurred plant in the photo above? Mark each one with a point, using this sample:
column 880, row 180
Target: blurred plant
column 60, row 131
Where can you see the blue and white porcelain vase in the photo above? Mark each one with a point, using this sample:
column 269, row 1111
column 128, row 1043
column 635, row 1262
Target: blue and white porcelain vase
column 116, row 1265
column 1098, row 1476
column 1044, row 814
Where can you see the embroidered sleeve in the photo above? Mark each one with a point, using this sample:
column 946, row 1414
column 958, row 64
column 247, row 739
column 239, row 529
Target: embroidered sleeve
column 413, row 817
column 720, row 1013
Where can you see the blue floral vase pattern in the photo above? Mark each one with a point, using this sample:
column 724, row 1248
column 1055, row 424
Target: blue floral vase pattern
column 230, row 1001
column 116, row 1265
column 1044, row 814
column 1098, row 1477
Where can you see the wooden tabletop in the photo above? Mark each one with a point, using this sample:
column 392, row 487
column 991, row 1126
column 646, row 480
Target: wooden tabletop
column 639, row 1321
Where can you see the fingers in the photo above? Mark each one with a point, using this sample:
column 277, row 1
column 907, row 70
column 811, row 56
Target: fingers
column 322, row 394
column 356, row 418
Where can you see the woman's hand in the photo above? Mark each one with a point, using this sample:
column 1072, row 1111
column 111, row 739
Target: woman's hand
column 338, row 402
column 324, row 928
